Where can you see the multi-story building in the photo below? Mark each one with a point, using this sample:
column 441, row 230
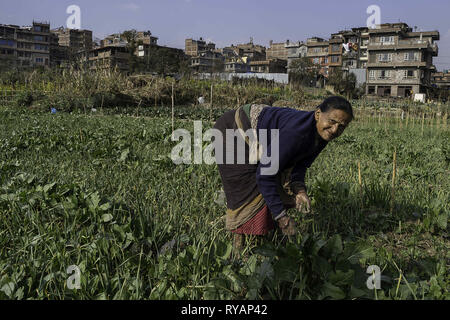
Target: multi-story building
column 269, row 66
column 8, row 46
column 237, row 65
column 59, row 55
column 400, row 60
column 117, row 39
column 208, row 61
column 254, row 52
column 441, row 79
column 317, row 51
column 363, row 55
column 76, row 40
column 194, row 47
column 106, row 58
column 24, row 47
column 277, row 50
column 348, row 49
column 295, row 51
column 204, row 56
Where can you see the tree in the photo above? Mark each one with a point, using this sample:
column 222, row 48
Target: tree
column 166, row 60
column 343, row 82
column 132, row 43
column 303, row 71
column 218, row 65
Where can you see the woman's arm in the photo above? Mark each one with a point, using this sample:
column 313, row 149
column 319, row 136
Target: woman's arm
column 267, row 183
column 298, row 173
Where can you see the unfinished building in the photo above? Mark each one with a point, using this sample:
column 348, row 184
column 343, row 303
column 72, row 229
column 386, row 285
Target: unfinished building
column 25, row 47
column 76, row 40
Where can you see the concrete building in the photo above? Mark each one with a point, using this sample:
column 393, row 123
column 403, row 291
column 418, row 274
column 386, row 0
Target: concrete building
column 207, row 62
column 237, row 65
column 269, row 66
column 106, row 58
column 205, row 58
column 25, row 47
column 348, row 49
column 118, row 56
column 75, row 40
column 59, row 55
column 400, row 61
column 277, row 50
column 295, row 51
column 117, row 39
column 194, row 47
column 441, row 79
column 254, row 52
column 317, row 51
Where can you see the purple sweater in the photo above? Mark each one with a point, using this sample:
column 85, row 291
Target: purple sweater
column 299, row 145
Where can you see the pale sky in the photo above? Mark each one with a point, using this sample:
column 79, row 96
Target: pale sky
column 231, row 21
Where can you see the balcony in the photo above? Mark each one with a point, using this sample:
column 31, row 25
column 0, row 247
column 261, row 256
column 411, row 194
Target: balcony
column 401, row 44
column 316, row 54
column 434, row 50
column 392, row 64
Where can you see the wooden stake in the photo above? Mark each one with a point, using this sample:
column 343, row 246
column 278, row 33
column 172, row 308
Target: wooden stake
column 423, row 120
column 359, row 174
column 394, row 168
column 360, row 185
column 211, row 104
column 156, row 92
column 173, row 109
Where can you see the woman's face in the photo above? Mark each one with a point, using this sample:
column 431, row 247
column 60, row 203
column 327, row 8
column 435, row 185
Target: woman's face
column 331, row 124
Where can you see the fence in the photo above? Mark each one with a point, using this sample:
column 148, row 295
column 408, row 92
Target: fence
column 8, row 95
column 277, row 77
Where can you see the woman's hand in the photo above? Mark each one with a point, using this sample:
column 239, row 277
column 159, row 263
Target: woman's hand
column 302, row 202
column 287, row 225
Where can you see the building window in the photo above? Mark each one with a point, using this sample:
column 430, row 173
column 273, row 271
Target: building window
column 411, row 56
column 9, row 43
column 384, row 74
column 316, row 60
column 371, row 89
column 408, row 74
column 372, row 74
column 316, row 50
column 387, row 40
column 385, row 57
column 40, row 47
column 334, row 59
column 335, row 48
column 39, row 60
column 325, row 60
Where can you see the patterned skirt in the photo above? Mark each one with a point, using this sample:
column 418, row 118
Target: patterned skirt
column 259, row 225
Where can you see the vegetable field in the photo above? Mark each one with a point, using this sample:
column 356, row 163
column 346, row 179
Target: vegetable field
column 101, row 193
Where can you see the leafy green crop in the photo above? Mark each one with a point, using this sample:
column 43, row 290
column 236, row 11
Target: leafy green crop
column 100, row 192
